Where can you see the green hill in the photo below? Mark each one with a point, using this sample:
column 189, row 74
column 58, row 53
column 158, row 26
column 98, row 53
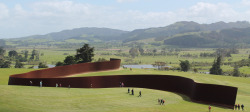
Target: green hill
column 51, row 99
column 182, row 34
column 223, row 38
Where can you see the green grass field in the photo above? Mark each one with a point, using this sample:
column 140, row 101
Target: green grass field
column 49, row 99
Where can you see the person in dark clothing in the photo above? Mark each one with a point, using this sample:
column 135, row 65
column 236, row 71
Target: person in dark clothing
column 235, row 107
column 128, row 90
column 139, row 94
column 159, row 101
column 132, row 91
column 238, row 106
column 242, row 107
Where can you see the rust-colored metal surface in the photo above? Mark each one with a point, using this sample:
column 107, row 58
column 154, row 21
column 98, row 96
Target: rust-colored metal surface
column 205, row 93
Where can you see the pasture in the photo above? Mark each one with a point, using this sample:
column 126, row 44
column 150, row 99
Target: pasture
column 51, row 99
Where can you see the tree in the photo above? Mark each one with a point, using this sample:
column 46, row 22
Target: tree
column 236, row 71
column 185, row 65
column 69, row 60
column 154, row 51
column 34, row 55
column 134, row 52
column 13, row 53
column 59, row 63
column 216, row 67
column 2, row 52
column 159, row 65
column 18, row 64
column 195, row 70
column 21, row 58
column 42, row 65
column 84, row 54
column 163, row 51
column 4, row 64
column 101, row 59
column 141, row 50
column 26, row 54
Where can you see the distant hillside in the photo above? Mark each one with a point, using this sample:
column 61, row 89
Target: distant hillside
column 184, row 34
column 222, row 38
column 162, row 33
column 99, row 33
column 69, row 37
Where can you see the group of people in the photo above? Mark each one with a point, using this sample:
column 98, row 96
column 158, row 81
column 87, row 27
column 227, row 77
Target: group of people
column 238, row 106
column 41, row 84
column 132, row 92
column 60, row 85
column 161, row 101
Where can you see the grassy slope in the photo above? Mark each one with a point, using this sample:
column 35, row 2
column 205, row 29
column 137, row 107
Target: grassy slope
column 30, row 99
column 243, row 84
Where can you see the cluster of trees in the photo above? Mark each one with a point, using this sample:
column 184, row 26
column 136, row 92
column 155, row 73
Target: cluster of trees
column 18, row 58
column 226, row 52
column 139, row 50
column 83, row 55
column 188, row 55
column 185, row 65
column 216, row 69
column 4, row 64
column 159, row 65
column 207, row 54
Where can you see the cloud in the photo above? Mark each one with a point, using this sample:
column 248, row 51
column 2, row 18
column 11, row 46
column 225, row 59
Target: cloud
column 50, row 16
column 246, row 2
column 4, row 12
column 207, row 12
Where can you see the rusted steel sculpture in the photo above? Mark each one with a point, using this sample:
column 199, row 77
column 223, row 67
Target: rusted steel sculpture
column 205, row 93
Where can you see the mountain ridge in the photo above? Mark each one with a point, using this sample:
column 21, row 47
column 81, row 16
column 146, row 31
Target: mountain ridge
column 168, row 35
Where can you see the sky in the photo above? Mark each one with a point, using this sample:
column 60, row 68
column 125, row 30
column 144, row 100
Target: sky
column 20, row 18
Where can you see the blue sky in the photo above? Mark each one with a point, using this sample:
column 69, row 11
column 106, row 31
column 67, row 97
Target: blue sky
column 20, row 18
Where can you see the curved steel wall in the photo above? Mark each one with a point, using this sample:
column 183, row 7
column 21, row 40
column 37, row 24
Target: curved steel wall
column 198, row 92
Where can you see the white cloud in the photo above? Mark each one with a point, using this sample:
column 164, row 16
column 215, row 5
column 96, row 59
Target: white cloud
column 246, row 2
column 207, row 13
column 4, row 12
column 50, row 16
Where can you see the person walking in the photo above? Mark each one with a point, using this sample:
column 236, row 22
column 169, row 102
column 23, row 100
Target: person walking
column 139, row 94
column 128, row 90
column 238, row 106
column 41, row 83
column 122, row 84
column 132, row 91
column 209, row 108
column 242, row 107
column 235, row 107
column 30, row 83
